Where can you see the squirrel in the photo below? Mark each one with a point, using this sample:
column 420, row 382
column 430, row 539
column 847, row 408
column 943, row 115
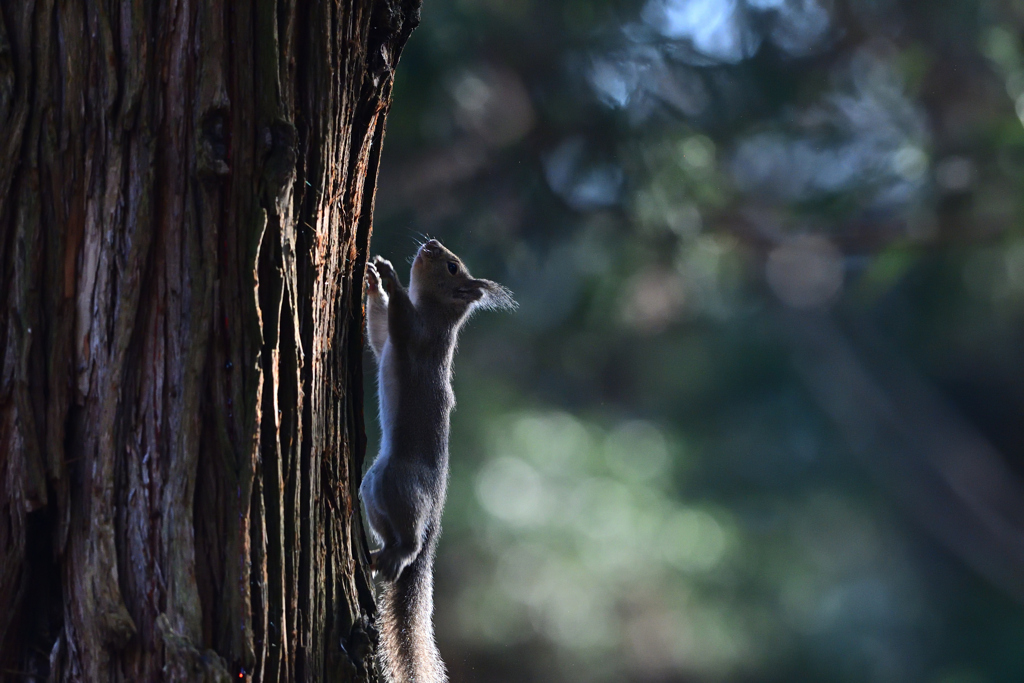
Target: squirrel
column 413, row 334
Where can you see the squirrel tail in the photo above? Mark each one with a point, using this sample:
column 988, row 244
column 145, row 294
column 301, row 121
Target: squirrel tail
column 408, row 653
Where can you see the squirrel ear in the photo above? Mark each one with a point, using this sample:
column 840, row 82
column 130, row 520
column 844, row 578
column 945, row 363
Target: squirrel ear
column 493, row 295
column 470, row 292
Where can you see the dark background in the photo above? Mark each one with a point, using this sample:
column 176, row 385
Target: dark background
column 759, row 415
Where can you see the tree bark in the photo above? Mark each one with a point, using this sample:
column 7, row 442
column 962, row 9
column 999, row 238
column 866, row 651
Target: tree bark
column 186, row 192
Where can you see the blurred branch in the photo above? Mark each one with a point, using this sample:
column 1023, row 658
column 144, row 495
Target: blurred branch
column 916, row 444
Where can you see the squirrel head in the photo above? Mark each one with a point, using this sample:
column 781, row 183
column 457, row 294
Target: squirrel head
column 441, row 278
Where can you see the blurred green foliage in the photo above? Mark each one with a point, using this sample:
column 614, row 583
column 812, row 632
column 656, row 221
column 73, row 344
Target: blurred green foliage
column 760, row 416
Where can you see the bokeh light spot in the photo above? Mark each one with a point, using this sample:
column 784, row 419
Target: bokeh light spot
column 806, row 272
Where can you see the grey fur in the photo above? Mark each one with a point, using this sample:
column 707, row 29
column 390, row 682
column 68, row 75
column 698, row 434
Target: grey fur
column 413, row 335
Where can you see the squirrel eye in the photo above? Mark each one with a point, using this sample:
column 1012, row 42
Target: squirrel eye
column 452, row 268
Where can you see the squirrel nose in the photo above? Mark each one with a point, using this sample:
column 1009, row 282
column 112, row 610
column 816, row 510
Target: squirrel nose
column 431, row 246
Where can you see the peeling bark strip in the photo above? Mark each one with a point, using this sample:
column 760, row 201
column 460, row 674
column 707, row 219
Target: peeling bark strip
column 186, row 190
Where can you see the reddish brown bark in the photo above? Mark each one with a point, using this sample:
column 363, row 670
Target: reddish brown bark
column 185, row 202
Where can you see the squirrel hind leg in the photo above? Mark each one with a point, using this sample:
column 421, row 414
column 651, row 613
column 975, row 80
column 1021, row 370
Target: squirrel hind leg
column 390, row 560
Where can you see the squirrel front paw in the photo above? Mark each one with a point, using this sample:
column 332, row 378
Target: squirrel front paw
column 386, row 273
column 372, row 279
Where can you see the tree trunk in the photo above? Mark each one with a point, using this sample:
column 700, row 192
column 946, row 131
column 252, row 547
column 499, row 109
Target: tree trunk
column 186, row 192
